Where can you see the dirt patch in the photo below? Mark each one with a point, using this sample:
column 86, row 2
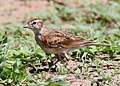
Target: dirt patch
column 15, row 10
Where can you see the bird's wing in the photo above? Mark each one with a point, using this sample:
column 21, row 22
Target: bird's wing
column 63, row 40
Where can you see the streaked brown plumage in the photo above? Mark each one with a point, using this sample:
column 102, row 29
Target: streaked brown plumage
column 56, row 41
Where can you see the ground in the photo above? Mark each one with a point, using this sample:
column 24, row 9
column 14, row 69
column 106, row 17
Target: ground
column 18, row 11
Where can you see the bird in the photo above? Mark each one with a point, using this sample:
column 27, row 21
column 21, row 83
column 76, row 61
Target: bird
column 55, row 41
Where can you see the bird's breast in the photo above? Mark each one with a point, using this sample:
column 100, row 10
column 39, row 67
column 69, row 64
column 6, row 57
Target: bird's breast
column 45, row 47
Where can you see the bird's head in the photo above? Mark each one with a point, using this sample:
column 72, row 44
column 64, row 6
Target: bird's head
column 34, row 24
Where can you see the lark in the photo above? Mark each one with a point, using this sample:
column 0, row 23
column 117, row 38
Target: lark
column 56, row 41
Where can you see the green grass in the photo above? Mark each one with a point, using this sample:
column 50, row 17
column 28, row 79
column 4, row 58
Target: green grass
column 99, row 22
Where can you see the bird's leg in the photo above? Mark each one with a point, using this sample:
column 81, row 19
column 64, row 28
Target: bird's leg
column 60, row 57
column 65, row 56
column 56, row 61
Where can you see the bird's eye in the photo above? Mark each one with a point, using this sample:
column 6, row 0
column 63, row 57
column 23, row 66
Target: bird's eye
column 33, row 23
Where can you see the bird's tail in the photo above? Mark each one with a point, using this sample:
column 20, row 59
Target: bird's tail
column 97, row 44
column 84, row 42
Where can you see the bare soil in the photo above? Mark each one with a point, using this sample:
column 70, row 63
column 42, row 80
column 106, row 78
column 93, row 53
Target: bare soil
column 15, row 10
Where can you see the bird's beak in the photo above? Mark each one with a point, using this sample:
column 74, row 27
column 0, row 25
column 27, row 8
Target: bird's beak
column 26, row 26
